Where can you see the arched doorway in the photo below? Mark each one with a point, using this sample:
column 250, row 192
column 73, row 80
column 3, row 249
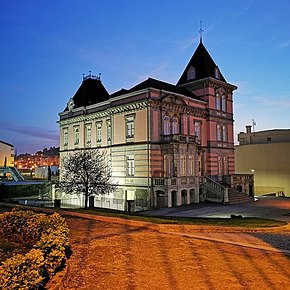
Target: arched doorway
column 184, row 197
column 192, row 196
column 174, row 198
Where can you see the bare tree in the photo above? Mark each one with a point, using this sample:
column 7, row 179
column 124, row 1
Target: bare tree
column 86, row 173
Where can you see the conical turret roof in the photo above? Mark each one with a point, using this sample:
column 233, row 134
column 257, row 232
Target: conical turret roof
column 203, row 65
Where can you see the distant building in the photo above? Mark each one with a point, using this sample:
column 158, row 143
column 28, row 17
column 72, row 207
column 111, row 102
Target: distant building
column 27, row 163
column 161, row 139
column 6, row 154
column 266, row 154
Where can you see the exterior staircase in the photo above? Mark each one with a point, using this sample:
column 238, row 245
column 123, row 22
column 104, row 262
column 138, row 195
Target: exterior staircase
column 236, row 197
column 221, row 193
column 12, row 171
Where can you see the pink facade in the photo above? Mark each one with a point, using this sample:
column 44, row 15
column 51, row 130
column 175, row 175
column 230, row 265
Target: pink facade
column 165, row 139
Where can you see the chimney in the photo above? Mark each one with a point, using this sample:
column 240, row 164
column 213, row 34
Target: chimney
column 249, row 129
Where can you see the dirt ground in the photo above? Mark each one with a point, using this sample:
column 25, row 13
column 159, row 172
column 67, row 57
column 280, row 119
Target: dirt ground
column 108, row 255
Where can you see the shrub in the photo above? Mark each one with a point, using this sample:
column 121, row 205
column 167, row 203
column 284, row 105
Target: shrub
column 53, row 243
column 23, row 227
column 22, row 271
column 48, row 235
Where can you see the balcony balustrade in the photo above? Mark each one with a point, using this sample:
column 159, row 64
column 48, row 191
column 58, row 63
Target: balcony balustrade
column 179, row 138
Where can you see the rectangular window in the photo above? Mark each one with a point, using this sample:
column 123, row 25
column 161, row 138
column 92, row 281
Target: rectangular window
column 197, row 131
column 65, row 136
column 99, row 132
column 88, row 135
column 220, row 166
column 76, row 135
column 109, row 131
column 130, row 166
column 130, row 127
column 226, row 166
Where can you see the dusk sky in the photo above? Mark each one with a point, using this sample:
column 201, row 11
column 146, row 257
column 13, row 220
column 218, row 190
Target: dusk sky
column 46, row 46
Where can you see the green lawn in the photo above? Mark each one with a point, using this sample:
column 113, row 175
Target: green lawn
column 232, row 222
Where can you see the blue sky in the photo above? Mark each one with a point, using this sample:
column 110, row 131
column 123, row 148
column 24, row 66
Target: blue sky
column 46, row 46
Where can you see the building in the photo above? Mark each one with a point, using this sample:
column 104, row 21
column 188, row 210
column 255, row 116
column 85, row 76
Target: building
column 6, row 154
column 266, row 154
column 162, row 140
column 37, row 164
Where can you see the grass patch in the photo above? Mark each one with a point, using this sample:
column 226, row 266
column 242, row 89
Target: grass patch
column 248, row 222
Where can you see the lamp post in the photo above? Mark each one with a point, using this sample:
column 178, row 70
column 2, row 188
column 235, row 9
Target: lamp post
column 251, row 189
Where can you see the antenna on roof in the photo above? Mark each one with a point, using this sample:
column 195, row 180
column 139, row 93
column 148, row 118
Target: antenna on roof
column 254, row 124
column 200, row 31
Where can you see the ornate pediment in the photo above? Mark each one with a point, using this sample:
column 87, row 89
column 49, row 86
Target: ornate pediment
column 173, row 100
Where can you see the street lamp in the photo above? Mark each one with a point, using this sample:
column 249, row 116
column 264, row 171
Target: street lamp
column 251, row 190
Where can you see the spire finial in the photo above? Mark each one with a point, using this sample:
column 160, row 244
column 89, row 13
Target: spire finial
column 200, row 31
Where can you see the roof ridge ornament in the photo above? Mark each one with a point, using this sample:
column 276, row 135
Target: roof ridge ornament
column 200, row 31
column 91, row 76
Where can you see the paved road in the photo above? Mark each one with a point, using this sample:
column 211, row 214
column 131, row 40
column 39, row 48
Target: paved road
column 264, row 207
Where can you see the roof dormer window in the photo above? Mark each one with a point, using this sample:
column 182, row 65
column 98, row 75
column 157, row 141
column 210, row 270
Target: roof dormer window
column 217, row 73
column 191, row 73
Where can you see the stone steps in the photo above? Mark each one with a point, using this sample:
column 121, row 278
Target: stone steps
column 238, row 197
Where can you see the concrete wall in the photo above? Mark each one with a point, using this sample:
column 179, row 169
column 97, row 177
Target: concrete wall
column 271, row 165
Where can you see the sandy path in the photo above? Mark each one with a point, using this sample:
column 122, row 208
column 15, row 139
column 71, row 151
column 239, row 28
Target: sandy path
column 118, row 256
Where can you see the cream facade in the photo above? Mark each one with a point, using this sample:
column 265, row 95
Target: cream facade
column 265, row 154
column 6, row 154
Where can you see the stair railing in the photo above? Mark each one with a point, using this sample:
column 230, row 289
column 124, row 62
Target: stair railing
column 214, row 191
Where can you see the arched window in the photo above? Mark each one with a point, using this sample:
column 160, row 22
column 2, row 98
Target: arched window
column 224, row 133
column 216, row 73
column 197, row 131
column 224, row 107
column 168, row 165
column 175, row 125
column 182, row 165
column 219, row 133
column 166, row 126
column 218, row 101
column 191, row 73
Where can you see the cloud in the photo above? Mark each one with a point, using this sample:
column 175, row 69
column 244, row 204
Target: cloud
column 281, row 101
column 30, row 131
column 284, row 44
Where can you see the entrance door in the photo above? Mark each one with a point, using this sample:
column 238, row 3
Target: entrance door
column 174, row 198
column 160, row 199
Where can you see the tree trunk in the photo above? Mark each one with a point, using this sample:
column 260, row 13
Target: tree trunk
column 86, row 199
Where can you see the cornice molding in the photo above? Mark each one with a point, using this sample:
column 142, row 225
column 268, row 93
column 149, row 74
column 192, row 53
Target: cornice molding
column 126, row 108
column 210, row 82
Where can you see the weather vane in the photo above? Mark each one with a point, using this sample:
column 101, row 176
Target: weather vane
column 200, row 31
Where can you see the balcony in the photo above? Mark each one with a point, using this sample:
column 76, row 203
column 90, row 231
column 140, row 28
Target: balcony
column 178, row 138
column 174, row 181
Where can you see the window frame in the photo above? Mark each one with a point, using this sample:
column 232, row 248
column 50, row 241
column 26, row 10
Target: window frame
column 76, row 135
column 130, row 165
column 88, row 135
